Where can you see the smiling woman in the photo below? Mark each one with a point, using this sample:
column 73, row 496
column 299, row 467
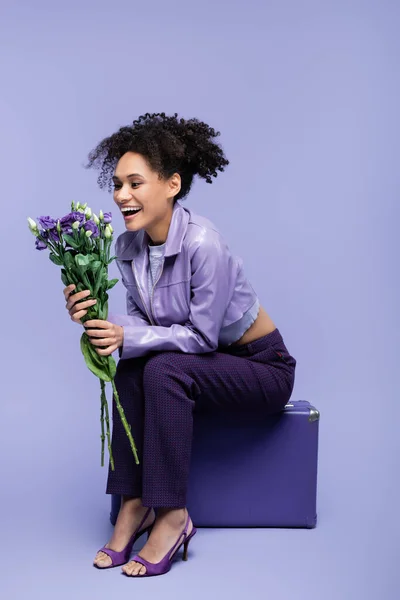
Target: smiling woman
column 194, row 336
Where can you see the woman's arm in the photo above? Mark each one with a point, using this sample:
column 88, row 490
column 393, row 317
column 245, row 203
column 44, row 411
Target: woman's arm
column 210, row 285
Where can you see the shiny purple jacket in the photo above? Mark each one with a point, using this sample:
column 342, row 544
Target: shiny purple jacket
column 201, row 288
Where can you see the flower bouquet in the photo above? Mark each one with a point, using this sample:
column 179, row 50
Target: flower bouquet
column 80, row 244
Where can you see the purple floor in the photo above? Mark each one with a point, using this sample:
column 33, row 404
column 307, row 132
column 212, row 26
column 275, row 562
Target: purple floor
column 50, row 535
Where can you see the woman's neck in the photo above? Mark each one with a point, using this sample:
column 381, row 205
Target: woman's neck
column 159, row 232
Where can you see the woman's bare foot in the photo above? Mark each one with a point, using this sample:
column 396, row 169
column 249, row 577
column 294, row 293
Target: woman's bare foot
column 166, row 531
column 129, row 517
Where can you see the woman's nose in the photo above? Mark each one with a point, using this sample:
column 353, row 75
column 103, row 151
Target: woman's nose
column 123, row 194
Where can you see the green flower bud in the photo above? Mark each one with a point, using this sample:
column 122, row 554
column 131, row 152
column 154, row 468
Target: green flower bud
column 84, row 205
column 95, row 219
column 33, row 227
column 77, row 205
column 75, row 225
column 89, row 233
column 111, row 228
column 101, row 216
column 88, row 214
column 107, row 232
column 81, row 210
column 58, row 226
column 72, row 206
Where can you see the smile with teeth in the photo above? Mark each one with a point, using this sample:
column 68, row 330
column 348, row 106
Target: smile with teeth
column 130, row 211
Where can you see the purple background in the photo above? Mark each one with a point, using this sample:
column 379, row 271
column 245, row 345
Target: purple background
column 306, row 95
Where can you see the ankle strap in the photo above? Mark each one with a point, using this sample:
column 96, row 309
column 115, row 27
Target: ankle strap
column 144, row 518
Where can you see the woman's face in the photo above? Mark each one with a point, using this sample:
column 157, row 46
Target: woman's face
column 150, row 198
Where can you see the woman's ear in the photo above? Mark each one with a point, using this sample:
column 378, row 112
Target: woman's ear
column 174, row 184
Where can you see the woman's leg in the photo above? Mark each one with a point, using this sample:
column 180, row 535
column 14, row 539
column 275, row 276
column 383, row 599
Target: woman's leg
column 256, row 377
column 126, row 479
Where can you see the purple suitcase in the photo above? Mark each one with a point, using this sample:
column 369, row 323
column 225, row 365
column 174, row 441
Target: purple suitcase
column 249, row 470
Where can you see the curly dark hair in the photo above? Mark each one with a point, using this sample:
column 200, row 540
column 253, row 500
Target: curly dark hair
column 170, row 145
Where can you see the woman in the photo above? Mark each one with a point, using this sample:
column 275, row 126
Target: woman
column 195, row 336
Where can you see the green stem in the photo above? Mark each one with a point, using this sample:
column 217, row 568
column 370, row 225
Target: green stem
column 102, row 437
column 127, row 427
column 108, row 434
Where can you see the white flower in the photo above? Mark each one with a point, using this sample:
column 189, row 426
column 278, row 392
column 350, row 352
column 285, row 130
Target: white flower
column 107, row 232
column 75, row 225
column 88, row 213
column 95, row 219
column 101, row 216
column 89, row 233
column 33, row 227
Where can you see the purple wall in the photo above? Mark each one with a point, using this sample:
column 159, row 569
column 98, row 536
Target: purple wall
column 306, row 96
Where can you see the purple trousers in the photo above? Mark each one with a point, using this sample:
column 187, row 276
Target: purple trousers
column 161, row 391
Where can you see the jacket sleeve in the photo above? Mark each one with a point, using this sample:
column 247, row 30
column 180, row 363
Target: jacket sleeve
column 210, row 296
column 133, row 319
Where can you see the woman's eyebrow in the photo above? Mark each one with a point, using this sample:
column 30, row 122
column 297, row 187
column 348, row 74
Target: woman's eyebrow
column 115, row 178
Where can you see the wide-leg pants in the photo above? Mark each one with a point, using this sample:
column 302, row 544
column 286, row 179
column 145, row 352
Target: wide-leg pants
column 160, row 392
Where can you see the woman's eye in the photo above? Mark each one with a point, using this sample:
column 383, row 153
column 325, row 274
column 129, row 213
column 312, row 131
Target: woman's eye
column 116, row 186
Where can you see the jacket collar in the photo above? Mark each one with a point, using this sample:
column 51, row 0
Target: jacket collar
column 131, row 243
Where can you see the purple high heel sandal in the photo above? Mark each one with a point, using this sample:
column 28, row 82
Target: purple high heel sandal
column 165, row 564
column 120, row 558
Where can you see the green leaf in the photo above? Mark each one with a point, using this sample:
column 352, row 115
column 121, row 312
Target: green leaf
column 111, row 283
column 55, row 259
column 100, row 278
column 111, row 259
column 112, row 366
column 82, row 260
column 69, row 259
column 95, row 265
column 94, row 363
column 71, row 242
column 64, row 277
column 103, row 310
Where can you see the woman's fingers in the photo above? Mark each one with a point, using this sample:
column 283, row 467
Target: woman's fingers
column 104, row 341
column 82, row 305
column 74, row 298
column 67, row 291
column 99, row 333
column 76, row 317
column 107, row 351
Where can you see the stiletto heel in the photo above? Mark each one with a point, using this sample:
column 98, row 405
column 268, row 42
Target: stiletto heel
column 120, row 558
column 185, row 550
column 164, row 565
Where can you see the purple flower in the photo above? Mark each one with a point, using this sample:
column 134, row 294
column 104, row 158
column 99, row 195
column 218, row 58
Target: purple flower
column 107, row 217
column 47, row 222
column 54, row 235
column 91, row 226
column 49, row 234
column 66, row 222
column 40, row 245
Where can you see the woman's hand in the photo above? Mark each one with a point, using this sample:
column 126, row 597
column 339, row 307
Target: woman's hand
column 76, row 308
column 108, row 335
